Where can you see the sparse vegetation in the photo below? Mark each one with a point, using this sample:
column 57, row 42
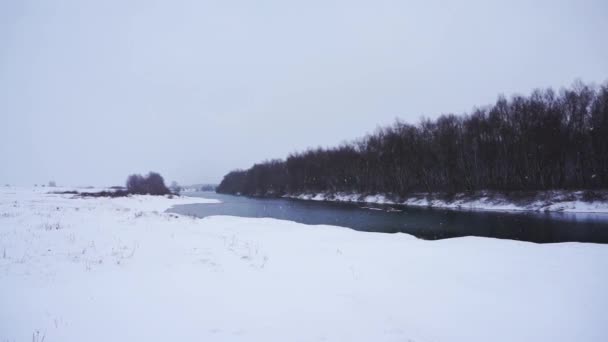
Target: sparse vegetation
column 208, row 187
column 37, row 337
column 151, row 184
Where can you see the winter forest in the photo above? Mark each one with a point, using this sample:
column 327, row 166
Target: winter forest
column 547, row 140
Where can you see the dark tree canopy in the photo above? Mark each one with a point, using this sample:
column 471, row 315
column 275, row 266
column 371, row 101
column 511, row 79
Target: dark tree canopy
column 152, row 184
column 544, row 141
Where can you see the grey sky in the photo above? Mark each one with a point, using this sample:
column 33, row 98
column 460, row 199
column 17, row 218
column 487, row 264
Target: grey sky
column 91, row 91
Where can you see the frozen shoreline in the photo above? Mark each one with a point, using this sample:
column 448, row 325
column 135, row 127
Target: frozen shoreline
column 549, row 201
column 103, row 269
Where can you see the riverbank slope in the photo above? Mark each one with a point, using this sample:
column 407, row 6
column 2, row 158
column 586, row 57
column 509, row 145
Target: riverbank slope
column 550, row 201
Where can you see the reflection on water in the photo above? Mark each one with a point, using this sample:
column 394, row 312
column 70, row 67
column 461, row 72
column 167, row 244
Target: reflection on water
column 425, row 223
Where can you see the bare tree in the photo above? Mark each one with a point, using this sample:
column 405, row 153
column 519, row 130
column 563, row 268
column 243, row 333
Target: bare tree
column 546, row 140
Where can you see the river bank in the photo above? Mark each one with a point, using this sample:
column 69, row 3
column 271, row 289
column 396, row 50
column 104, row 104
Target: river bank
column 549, row 201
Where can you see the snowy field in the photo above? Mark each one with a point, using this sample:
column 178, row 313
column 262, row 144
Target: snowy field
column 553, row 201
column 122, row 270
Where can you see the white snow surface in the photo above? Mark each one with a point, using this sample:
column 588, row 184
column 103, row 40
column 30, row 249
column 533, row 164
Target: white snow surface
column 101, row 269
column 560, row 201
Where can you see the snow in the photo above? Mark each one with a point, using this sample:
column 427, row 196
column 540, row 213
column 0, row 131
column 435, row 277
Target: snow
column 102, row 269
column 562, row 201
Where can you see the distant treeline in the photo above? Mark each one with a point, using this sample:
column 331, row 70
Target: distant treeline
column 547, row 140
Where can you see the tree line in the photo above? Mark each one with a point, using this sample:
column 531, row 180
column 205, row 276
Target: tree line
column 547, row 140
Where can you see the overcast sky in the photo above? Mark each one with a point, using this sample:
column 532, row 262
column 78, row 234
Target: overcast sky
column 91, row 91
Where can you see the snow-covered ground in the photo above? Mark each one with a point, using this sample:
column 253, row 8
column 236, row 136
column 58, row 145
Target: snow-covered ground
column 101, row 269
column 562, row 201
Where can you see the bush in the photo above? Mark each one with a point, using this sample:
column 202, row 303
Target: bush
column 592, row 196
column 152, row 184
column 175, row 188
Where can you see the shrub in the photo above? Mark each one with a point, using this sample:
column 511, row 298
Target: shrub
column 175, row 188
column 592, row 196
column 152, row 184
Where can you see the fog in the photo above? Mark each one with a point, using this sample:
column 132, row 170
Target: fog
column 93, row 91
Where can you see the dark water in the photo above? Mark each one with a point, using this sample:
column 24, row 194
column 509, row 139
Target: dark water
column 424, row 223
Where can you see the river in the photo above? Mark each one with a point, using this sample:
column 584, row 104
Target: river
column 425, row 223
